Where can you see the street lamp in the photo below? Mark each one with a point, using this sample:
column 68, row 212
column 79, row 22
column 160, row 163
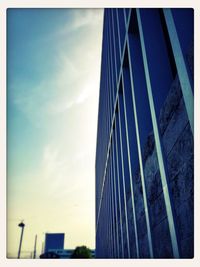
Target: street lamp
column 22, row 225
column 34, row 253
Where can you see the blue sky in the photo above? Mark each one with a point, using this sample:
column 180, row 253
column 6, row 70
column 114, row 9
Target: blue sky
column 52, row 103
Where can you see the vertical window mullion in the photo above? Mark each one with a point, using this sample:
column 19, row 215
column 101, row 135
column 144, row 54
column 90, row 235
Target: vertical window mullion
column 181, row 67
column 112, row 69
column 115, row 53
column 119, row 189
column 111, row 211
column 115, row 195
column 108, row 215
column 140, row 156
column 123, row 181
column 112, row 197
column 162, row 164
column 110, row 95
column 130, row 169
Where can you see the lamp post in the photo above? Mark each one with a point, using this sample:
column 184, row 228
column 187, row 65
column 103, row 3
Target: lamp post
column 22, row 225
column 34, row 253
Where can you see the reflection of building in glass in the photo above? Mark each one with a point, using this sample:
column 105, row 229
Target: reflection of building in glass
column 144, row 157
column 54, row 241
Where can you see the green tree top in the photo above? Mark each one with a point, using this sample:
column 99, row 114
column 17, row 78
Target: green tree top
column 81, row 253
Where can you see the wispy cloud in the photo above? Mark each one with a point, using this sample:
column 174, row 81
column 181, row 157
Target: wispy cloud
column 88, row 18
column 70, row 83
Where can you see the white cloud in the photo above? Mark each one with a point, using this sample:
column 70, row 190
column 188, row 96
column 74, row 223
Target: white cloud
column 89, row 18
column 70, row 83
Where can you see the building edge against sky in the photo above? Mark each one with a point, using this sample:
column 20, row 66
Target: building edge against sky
column 144, row 155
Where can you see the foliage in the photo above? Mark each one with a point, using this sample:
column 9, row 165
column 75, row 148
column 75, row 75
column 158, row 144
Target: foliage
column 81, row 252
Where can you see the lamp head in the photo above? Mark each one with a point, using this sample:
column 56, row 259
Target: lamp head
column 21, row 224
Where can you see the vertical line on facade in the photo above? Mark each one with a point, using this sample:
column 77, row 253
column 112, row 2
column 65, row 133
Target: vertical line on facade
column 114, row 181
column 162, row 165
column 181, row 67
column 140, row 156
column 124, row 188
column 112, row 193
column 115, row 60
column 110, row 212
column 130, row 172
column 119, row 194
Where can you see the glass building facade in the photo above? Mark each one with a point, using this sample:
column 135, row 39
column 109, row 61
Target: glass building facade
column 144, row 154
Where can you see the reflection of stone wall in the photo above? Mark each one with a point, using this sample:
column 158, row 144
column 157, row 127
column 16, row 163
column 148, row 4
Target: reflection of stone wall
column 177, row 141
